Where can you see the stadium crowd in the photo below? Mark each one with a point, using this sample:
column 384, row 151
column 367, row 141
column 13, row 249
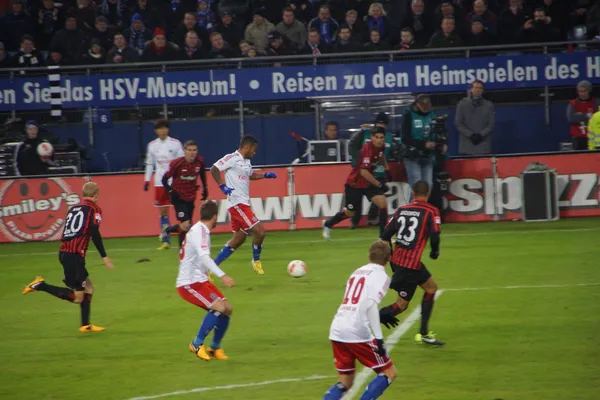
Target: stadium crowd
column 83, row 32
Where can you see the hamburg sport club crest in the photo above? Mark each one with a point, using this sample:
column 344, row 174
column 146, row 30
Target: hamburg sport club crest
column 34, row 209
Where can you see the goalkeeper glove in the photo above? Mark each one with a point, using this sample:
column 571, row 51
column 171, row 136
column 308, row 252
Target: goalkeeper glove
column 226, row 190
column 269, row 175
column 383, row 187
column 388, row 319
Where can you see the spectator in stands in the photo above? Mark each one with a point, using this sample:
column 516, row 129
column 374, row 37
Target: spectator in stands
column 375, row 42
column 447, row 37
column 331, row 130
column 345, row 43
column 418, row 21
column 407, row 40
column 189, row 24
column 313, row 44
column 539, row 29
column 86, row 15
column 27, row 160
column 48, row 23
column 511, row 19
column 27, row 56
column 54, row 59
column 16, row 24
column 137, row 35
column 558, row 11
column 174, row 12
column 279, row 45
column 231, row 31
column 478, row 36
column 244, row 46
column 446, row 9
column 356, row 27
column 293, row 29
column 578, row 11
column 205, row 17
column 219, row 49
column 579, row 112
column 71, row 42
column 325, row 25
column 487, row 17
column 116, row 12
column 121, row 53
column 102, row 33
column 593, row 20
column 159, row 49
column 3, row 57
column 258, row 30
column 377, row 19
column 302, row 10
column 475, row 121
column 95, row 55
column 192, row 49
column 148, row 12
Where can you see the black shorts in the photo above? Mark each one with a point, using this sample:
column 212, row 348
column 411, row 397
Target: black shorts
column 405, row 280
column 75, row 271
column 184, row 210
column 354, row 196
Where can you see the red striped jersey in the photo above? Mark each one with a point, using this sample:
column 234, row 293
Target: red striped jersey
column 368, row 159
column 80, row 221
column 413, row 223
column 185, row 176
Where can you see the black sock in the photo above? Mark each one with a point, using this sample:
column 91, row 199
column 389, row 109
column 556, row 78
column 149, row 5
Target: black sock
column 373, row 210
column 85, row 306
column 182, row 234
column 172, row 228
column 426, row 309
column 336, row 219
column 382, row 221
column 57, row 291
column 356, row 218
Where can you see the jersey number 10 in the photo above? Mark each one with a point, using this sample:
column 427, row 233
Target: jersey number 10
column 355, row 289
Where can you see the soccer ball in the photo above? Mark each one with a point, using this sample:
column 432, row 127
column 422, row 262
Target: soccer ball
column 297, row 268
column 45, row 149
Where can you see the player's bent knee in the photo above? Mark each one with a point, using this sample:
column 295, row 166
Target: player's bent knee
column 391, row 372
column 348, row 213
column 79, row 296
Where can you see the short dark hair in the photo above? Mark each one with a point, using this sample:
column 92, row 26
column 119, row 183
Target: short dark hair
column 421, row 188
column 208, row 210
column 377, row 130
column 288, row 9
column 26, row 36
column 161, row 123
column 332, row 123
column 248, row 140
column 380, row 252
column 189, row 143
column 408, row 30
column 314, row 30
column 479, row 82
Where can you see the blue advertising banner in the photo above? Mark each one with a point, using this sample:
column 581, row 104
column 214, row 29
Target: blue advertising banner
column 280, row 83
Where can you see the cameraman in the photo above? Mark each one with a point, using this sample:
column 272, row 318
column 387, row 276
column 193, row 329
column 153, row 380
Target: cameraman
column 27, row 159
column 422, row 140
column 357, row 141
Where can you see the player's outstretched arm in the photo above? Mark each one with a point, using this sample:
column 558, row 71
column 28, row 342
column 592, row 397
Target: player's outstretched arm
column 216, row 174
column 266, row 175
column 390, row 229
column 214, row 268
column 97, row 239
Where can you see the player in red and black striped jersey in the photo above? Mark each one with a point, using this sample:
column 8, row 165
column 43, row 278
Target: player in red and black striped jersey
column 185, row 172
column 361, row 182
column 82, row 224
column 413, row 225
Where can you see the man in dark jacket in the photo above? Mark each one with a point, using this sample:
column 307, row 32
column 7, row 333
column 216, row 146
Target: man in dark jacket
column 27, row 160
column 71, row 42
column 447, row 37
column 345, row 43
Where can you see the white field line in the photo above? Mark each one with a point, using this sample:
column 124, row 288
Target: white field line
column 361, row 378
column 351, row 239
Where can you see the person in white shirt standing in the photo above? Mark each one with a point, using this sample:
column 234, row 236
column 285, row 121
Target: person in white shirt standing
column 355, row 332
column 238, row 174
column 194, row 287
column 160, row 153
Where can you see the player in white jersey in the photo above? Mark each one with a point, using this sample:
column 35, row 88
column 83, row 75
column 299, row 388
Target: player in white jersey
column 160, row 153
column 355, row 332
column 238, row 174
column 193, row 284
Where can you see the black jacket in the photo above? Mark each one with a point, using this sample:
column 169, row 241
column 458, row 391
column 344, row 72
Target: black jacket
column 28, row 161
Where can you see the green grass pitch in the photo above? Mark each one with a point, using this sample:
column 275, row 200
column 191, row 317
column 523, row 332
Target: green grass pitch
column 528, row 333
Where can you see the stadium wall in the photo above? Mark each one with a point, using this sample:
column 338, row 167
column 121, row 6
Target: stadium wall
column 33, row 209
column 519, row 129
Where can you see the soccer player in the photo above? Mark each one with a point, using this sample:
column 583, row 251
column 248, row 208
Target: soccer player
column 82, row 224
column 194, row 287
column 238, row 174
column 355, row 332
column 361, row 182
column 413, row 224
column 185, row 172
column 160, row 153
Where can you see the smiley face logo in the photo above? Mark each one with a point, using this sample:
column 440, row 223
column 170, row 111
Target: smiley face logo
column 34, row 209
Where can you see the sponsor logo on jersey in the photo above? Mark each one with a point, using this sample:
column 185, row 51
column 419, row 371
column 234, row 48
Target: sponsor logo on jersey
column 34, row 209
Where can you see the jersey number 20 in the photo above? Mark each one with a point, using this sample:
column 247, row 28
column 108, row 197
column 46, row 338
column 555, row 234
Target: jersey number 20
column 354, row 290
column 74, row 223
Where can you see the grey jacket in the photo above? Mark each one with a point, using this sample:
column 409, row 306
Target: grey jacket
column 296, row 32
column 469, row 120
